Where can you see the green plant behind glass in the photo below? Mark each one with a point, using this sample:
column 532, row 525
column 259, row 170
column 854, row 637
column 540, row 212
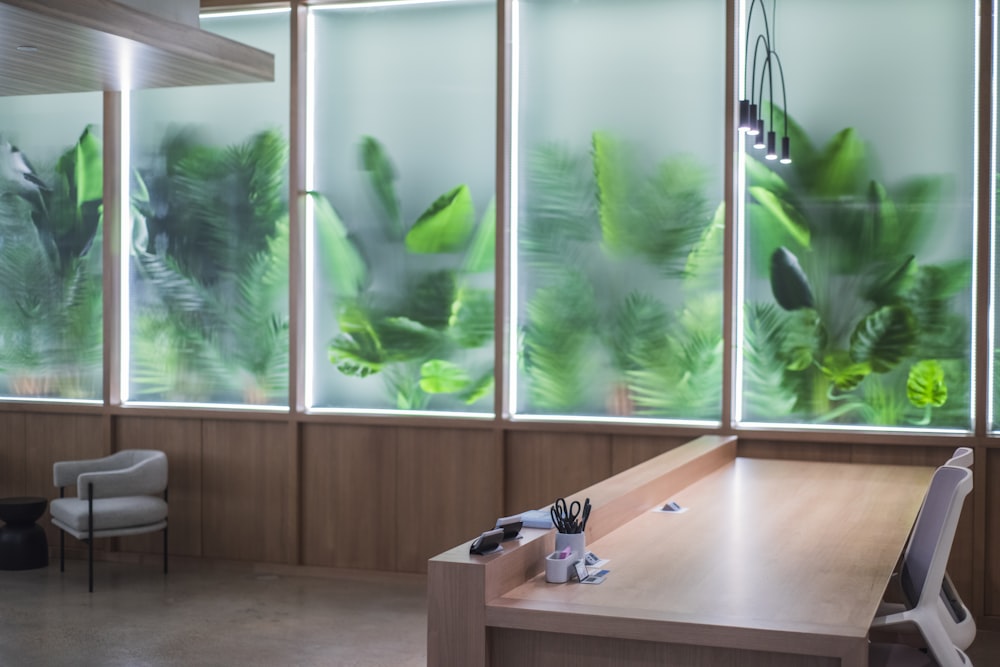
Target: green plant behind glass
column 860, row 330
column 50, row 275
column 211, row 245
column 414, row 335
column 627, row 273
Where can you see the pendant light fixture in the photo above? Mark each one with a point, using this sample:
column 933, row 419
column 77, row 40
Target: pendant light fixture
column 751, row 119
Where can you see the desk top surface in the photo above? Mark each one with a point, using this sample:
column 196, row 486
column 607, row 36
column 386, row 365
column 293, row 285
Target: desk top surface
column 785, row 546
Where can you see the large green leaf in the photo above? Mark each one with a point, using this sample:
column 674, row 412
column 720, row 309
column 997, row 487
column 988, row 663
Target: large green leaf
column 844, row 373
column 613, row 185
column 472, row 313
column 884, row 338
column 430, row 298
column 925, row 384
column 445, row 226
column 784, row 214
column 480, row 388
column 788, row 282
column 842, row 168
column 84, row 165
column 438, row 376
column 382, row 176
column 482, row 251
column 339, row 258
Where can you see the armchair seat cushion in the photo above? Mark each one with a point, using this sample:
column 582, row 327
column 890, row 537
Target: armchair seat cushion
column 124, row 512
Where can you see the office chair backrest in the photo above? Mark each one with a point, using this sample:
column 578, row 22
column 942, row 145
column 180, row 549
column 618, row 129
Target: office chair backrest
column 930, row 545
column 962, row 458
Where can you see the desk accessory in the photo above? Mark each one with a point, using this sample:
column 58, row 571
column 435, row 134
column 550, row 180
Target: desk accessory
column 487, row 543
column 557, row 568
column 584, row 576
column 511, row 526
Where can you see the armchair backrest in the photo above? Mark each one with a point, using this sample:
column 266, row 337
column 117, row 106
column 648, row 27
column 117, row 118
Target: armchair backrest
column 130, row 472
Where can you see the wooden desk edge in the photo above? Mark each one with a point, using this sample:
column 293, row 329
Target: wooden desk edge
column 643, row 625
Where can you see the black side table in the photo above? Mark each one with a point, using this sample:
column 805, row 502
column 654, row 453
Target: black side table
column 23, row 545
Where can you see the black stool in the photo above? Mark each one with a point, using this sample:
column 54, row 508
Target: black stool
column 22, row 542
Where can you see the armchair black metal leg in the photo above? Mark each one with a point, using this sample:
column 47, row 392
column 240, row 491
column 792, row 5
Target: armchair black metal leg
column 90, row 537
column 165, row 499
column 62, row 538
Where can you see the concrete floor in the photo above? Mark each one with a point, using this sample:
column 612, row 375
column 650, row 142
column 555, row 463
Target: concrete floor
column 199, row 615
column 204, row 615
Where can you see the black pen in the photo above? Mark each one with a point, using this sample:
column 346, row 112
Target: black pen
column 586, row 513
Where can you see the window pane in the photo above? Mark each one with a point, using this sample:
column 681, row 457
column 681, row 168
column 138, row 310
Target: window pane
column 50, row 246
column 859, row 253
column 209, row 272
column 619, row 225
column 403, row 225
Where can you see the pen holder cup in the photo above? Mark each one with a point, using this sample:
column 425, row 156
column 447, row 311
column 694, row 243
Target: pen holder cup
column 557, row 569
column 575, row 541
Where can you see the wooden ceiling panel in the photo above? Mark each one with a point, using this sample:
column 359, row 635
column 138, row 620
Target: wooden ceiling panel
column 88, row 45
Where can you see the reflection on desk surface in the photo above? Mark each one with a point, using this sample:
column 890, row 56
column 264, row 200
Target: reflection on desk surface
column 782, row 545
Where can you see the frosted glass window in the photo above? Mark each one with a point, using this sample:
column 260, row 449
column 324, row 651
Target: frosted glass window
column 51, row 174
column 619, row 223
column 859, row 253
column 403, row 157
column 208, row 306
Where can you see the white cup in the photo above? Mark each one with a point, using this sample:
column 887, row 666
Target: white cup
column 577, row 542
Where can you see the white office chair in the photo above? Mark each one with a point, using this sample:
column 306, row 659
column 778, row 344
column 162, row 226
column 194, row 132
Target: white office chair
column 116, row 495
column 955, row 615
column 922, row 574
column 963, row 457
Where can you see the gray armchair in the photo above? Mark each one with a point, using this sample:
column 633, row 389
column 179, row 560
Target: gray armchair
column 116, row 495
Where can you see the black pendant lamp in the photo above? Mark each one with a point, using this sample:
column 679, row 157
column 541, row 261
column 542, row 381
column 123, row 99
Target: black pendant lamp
column 751, row 120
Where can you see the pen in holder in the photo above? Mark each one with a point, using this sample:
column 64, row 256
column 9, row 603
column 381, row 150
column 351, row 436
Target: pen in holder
column 570, row 521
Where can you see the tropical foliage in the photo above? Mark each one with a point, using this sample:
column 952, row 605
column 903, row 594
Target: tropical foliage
column 860, row 330
column 413, row 316
column 210, row 243
column 50, row 272
column 624, row 312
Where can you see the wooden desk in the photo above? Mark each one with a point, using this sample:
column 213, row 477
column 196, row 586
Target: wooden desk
column 775, row 563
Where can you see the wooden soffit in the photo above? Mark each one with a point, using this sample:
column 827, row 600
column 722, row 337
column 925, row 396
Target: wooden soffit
column 65, row 46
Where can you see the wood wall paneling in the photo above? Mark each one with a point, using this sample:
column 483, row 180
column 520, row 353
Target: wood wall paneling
column 348, row 484
column 13, row 453
column 992, row 572
column 631, row 450
column 450, row 489
column 180, row 440
column 244, row 505
column 799, row 451
column 541, row 467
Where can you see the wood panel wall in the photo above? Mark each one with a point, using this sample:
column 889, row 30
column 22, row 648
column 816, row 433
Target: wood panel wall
column 379, row 496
